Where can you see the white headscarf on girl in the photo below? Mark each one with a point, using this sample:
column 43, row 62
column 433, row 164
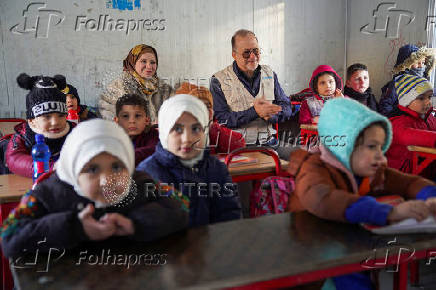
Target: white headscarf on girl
column 87, row 140
column 172, row 109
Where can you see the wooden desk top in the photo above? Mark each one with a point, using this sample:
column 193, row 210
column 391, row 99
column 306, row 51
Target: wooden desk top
column 312, row 127
column 221, row 255
column 13, row 187
column 422, row 149
column 264, row 164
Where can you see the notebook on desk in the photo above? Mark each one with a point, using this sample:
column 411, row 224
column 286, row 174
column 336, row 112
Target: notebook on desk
column 239, row 160
column 407, row 226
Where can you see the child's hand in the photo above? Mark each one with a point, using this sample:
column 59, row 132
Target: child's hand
column 431, row 203
column 338, row 93
column 124, row 226
column 315, row 120
column 94, row 229
column 416, row 209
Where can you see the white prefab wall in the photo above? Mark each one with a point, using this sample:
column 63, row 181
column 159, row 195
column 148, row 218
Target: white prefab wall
column 388, row 29
column 87, row 40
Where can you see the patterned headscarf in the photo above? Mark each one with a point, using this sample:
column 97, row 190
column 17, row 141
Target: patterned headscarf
column 149, row 86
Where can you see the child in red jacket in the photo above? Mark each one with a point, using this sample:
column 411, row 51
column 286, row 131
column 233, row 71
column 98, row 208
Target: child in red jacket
column 413, row 122
column 46, row 114
column 131, row 116
column 325, row 84
column 221, row 138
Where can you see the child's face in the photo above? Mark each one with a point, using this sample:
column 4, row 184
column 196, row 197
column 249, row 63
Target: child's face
column 104, row 179
column 146, row 65
column 368, row 156
column 71, row 102
column 186, row 138
column 359, row 81
column 132, row 119
column 422, row 103
column 418, row 64
column 52, row 123
column 326, row 85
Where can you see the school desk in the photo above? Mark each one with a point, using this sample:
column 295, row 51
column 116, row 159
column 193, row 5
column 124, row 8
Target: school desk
column 307, row 131
column 12, row 188
column 281, row 250
column 428, row 153
column 262, row 168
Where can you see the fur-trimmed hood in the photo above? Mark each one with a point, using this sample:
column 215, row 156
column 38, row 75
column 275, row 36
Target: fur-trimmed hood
column 409, row 54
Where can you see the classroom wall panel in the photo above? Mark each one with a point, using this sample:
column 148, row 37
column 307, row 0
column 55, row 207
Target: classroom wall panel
column 87, row 40
column 192, row 38
column 387, row 29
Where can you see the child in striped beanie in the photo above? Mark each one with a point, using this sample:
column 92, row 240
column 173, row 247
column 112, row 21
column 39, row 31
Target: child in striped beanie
column 413, row 122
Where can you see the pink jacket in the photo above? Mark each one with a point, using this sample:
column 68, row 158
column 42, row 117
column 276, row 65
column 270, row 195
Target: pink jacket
column 311, row 106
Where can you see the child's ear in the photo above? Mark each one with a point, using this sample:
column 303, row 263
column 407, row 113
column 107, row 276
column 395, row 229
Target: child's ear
column 116, row 119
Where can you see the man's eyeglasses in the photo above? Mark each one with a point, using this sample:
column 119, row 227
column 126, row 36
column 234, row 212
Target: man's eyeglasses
column 246, row 54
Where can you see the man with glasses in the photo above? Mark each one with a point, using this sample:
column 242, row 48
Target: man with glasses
column 247, row 96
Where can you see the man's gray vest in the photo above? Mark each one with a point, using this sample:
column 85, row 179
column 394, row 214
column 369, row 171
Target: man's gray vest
column 239, row 99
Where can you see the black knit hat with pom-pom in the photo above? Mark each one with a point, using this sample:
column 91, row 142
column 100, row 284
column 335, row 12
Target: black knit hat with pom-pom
column 44, row 96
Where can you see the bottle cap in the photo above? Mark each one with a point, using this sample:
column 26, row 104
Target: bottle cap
column 39, row 138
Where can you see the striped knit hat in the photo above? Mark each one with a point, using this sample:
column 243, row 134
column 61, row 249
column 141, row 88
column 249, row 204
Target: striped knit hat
column 409, row 87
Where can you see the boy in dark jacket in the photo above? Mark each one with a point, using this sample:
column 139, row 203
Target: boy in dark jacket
column 131, row 116
column 181, row 160
column 46, row 114
column 357, row 86
column 92, row 195
column 411, row 60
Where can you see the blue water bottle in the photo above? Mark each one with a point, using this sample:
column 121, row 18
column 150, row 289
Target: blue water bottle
column 41, row 157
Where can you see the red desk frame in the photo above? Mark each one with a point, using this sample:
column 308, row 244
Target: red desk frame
column 400, row 277
column 256, row 176
column 425, row 152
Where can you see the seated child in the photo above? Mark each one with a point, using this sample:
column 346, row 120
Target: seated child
column 92, row 195
column 411, row 60
column 221, row 138
column 413, row 122
column 73, row 101
column 131, row 115
column 357, row 86
column 325, row 84
column 46, row 114
column 339, row 182
column 182, row 160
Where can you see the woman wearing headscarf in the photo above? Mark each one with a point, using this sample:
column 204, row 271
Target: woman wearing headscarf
column 139, row 77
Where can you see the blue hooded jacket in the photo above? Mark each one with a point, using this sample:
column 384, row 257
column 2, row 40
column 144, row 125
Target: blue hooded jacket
column 208, row 184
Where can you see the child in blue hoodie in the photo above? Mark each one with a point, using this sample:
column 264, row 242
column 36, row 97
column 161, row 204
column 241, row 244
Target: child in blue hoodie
column 340, row 181
column 181, row 159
